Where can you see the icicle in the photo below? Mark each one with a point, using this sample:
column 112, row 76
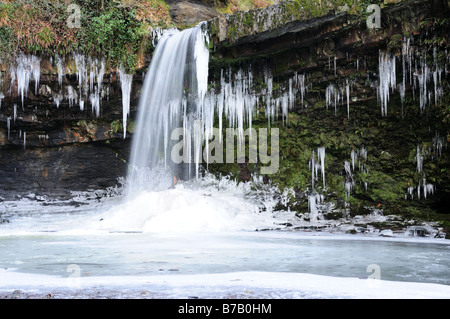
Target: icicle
column 8, row 125
column 15, row 112
column 269, row 108
column 347, row 91
column 438, row 90
column 125, row 85
column 80, row 63
column 60, row 70
column 95, row 103
column 24, row 140
column 284, row 106
column 321, row 158
column 349, row 179
column 418, row 190
column 437, row 145
column 57, row 98
column 157, row 33
column 1, row 97
column 386, row 79
column 354, row 157
column 330, row 96
column 312, row 165
column 428, row 189
column 423, row 76
column 291, row 95
column 335, row 66
column 301, row 79
column 71, row 95
column 419, row 160
column 36, row 72
column 100, row 75
column 348, row 188
column 363, row 153
column 28, row 68
column 313, row 201
column 92, row 73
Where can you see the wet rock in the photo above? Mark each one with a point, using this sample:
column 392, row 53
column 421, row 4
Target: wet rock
column 421, row 231
column 56, row 172
column 186, row 13
column 361, row 230
column 386, row 233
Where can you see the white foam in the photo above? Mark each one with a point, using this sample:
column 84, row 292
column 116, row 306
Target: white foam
column 197, row 209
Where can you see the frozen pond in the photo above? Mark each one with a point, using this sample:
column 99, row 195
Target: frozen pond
column 197, row 238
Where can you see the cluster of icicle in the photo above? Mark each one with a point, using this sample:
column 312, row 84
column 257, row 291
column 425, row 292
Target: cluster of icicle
column 423, row 188
column 358, row 160
column 27, row 68
column 89, row 72
column 315, row 199
column 416, row 73
column 334, row 95
column 239, row 101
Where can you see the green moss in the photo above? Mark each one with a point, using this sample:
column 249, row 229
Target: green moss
column 115, row 30
column 116, row 126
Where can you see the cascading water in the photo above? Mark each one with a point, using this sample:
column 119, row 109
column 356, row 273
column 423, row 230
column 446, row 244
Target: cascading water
column 174, row 89
column 174, row 102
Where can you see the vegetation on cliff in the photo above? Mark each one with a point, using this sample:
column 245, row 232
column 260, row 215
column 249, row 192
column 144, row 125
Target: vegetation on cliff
column 116, row 30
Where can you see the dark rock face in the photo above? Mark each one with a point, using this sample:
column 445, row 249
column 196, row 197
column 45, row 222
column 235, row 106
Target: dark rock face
column 53, row 149
column 335, row 50
column 57, row 171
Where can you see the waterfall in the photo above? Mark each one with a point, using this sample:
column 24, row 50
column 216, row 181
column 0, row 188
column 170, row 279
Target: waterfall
column 172, row 95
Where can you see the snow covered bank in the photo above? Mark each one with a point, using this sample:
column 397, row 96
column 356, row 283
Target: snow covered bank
column 263, row 285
